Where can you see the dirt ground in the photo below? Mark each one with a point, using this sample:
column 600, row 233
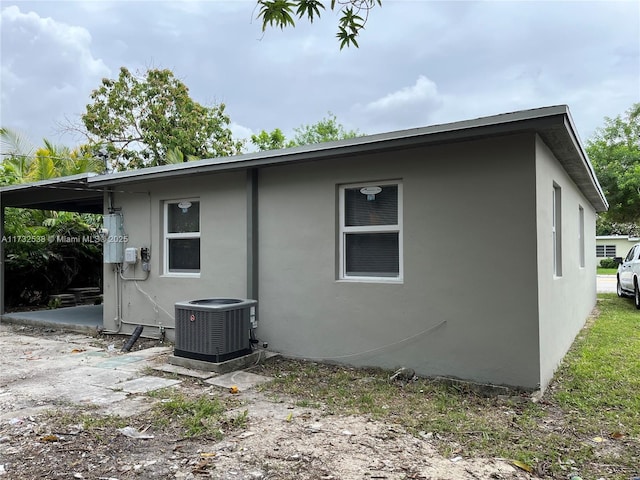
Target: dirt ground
column 280, row 440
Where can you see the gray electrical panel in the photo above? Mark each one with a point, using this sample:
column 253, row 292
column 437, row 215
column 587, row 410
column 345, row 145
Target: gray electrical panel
column 114, row 238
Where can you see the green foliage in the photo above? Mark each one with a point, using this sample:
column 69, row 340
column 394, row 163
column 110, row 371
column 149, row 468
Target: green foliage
column 601, row 374
column 353, row 15
column 604, row 226
column 274, row 140
column 46, row 258
column 23, row 162
column 614, row 151
column 39, row 262
column 326, row 130
column 608, row 263
column 141, row 120
column 200, row 416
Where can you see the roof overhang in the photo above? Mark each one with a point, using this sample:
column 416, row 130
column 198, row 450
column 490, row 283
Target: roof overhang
column 553, row 125
column 72, row 194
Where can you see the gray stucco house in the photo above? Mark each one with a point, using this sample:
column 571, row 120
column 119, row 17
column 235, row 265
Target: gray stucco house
column 461, row 250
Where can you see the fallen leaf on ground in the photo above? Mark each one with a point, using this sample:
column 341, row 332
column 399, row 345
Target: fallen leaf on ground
column 522, row 465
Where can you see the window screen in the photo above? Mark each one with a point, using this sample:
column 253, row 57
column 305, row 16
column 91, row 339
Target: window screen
column 182, row 237
column 371, row 234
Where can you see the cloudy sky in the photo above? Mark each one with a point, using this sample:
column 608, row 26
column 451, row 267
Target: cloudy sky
column 419, row 62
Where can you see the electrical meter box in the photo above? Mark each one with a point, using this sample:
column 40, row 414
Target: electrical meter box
column 131, row 255
column 113, row 238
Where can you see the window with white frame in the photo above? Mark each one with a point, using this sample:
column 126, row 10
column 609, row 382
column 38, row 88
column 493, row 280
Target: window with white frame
column 182, row 237
column 371, row 231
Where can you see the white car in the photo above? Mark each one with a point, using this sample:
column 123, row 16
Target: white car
column 628, row 275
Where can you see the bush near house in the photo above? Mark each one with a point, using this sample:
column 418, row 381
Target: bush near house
column 46, row 259
column 608, row 263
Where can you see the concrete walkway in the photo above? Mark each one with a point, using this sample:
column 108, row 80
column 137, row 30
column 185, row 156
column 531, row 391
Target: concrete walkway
column 45, row 371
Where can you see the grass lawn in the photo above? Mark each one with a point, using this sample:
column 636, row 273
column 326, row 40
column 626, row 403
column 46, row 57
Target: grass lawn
column 587, row 423
column 607, row 271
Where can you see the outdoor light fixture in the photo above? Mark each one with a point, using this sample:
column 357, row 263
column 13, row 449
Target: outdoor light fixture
column 370, row 192
column 184, row 206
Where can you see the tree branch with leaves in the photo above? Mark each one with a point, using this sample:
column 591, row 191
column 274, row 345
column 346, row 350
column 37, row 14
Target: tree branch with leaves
column 151, row 120
column 353, row 15
column 614, row 151
column 328, row 129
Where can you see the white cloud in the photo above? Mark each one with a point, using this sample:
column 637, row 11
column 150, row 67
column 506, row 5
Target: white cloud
column 423, row 92
column 48, row 70
column 240, row 132
column 419, row 63
column 407, row 107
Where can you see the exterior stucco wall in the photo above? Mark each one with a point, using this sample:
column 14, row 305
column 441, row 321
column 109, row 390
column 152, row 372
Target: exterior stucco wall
column 223, row 249
column 468, row 304
column 565, row 301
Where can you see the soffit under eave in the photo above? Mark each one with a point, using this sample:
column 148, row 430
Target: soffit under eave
column 568, row 152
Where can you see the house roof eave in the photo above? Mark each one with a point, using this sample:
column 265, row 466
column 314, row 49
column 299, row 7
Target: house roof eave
column 553, row 124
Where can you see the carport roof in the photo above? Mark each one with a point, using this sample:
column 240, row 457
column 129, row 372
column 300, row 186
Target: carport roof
column 553, row 124
column 72, row 194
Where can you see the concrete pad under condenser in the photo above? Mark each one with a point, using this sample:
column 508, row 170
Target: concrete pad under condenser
column 146, row 384
column 232, row 365
column 242, row 380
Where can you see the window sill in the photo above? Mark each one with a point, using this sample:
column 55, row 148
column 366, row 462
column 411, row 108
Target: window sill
column 180, row 275
column 393, row 281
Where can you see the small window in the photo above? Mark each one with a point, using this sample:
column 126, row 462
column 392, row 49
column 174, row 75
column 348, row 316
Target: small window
column 605, row 251
column 371, row 231
column 581, row 235
column 556, row 229
column 182, row 237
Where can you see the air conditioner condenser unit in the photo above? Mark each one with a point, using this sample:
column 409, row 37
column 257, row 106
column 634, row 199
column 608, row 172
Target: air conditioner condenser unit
column 213, row 329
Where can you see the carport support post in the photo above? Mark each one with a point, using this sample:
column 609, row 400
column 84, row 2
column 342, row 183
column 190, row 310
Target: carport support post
column 1, row 260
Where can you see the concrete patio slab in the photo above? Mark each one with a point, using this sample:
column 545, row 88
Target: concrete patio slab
column 151, row 352
column 119, row 362
column 242, row 380
column 187, row 372
column 146, row 384
column 84, row 318
column 57, row 370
